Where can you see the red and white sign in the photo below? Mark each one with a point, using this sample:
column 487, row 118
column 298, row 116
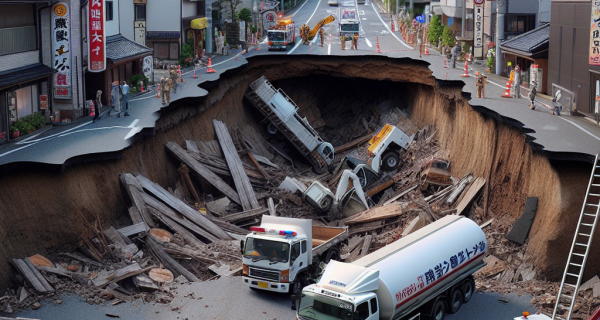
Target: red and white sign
column 96, row 36
column 43, row 102
column 61, row 46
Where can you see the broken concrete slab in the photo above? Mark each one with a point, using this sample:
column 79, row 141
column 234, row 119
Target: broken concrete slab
column 590, row 283
column 494, row 266
column 520, row 229
column 293, row 185
column 416, row 224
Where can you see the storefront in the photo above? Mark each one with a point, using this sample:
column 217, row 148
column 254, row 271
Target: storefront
column 195, row 29
column 527, row 49
column 124, row 59
column 23, row 92
column 164, row 43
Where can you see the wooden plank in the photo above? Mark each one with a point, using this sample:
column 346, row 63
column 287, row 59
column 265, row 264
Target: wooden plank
column 142, row 281
column 244, row 215
column 281, row 153
column 38, row 275
column 203, row 172
column 113, row 235
column 369, row 226
column 366, row 244
column 228, row 227
column 222, row 270
column 211, row 147
column 401, row 194
column 265, row 161
column 353, row 243
column 240, row 178
column 485, row 224
column 192, row 146
column 118, row 275
column 177, row 228
column 356, row 251
column 169, row 262
column 254, row 142
column 352, row 144
column 162, row 212
column 217, row 207
column 134, row 229
column 79, row 277
column 135, row 215
column 473, row 190
column 181, row 207
column 134, row 189
column 271, row 206
column 377, row 213
column 82, row 259
column 184, row 172
column 219, row 166
column 36, row 280
column 257, row 165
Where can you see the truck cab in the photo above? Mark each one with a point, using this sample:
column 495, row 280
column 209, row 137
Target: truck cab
column 281, row 35
column 325, row 304
column 349, row 23
column 272, row 258
column 385, row 148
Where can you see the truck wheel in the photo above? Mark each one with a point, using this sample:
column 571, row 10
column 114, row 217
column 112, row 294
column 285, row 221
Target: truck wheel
column 332, row 253
column 456, row 300
column 438, row 312
column 272, row 128
column 326, row 204
column 468, row 289
column 390, row 161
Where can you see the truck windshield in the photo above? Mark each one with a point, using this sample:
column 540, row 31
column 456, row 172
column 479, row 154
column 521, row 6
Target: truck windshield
column 276, row 36
column 267, row 250
column 320, row 307
column 350, row 27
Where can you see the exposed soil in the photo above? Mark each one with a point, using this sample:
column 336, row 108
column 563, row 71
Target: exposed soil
column 39, row 209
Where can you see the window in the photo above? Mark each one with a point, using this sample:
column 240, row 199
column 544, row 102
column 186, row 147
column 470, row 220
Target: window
column 303, row 246
column 373, row 305
column 140, row 12
column 363, row 311
column 109, row 11
column 519, row 24
column 295, row 251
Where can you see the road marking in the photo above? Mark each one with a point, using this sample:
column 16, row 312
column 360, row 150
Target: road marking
column 133, row 123
column 369, row 43
column 581, row 128
column 307, row 21
column 386, row 26
column 53, row 135
column 329, row 49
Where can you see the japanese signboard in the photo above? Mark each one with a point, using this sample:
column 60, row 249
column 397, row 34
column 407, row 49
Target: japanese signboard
column 140, row 32
column 209, row 37
column 242, row 31
column 595, row 34
column 61, row 34
column 96, row 36
column 478, row 30
column 148, row 67
column 43, row 102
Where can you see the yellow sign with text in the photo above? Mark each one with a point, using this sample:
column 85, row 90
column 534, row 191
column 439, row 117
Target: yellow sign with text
column 199, row 23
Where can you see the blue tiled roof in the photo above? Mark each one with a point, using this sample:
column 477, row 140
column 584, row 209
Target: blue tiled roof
column 119, row 48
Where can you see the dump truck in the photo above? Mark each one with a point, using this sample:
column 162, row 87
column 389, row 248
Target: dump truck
column 283, row 115
column 386, row 147
column 283, row 254
column 282, row 35
column 427, row 273
column 349, row 23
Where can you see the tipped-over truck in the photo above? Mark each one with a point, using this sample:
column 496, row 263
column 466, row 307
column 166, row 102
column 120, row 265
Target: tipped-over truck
column 282, row 112
column 284, row 253
column 429, row 272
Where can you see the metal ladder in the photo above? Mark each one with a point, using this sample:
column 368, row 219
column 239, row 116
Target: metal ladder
column 580, row 248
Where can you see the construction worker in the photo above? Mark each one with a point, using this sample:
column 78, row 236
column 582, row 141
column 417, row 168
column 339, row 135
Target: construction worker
column 343, row 39
column 322, row 35
column 355, row 41
column 174, row 77
column 480, row 81
column 166, row 85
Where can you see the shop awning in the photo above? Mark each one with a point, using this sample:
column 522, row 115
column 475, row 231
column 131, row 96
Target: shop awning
column 119, row 48
column 25, row 75
column 532, row 44
column 196, row 22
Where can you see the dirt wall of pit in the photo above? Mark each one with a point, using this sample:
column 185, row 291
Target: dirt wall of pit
column 41, row 211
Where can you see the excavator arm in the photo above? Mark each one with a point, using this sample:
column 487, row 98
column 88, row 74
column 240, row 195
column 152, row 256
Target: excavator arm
column 344, row 186
column 313, row 32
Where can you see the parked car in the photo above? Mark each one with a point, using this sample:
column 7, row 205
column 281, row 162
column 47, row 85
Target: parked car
column 435, row 173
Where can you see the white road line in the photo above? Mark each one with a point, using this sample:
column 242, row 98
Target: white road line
column 329, row 49
column 14, row 150
column 387, row 27
column 317, row 7
column 133, row 123
column 132, row 132
column 368, row 43
column 53, row 135
column 581, row 128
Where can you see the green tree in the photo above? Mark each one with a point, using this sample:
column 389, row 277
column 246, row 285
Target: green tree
column 245, row 15
column 448, row 38
column 435, row 30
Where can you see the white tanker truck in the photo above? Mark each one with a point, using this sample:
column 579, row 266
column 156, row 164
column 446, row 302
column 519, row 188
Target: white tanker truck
column 428, row 272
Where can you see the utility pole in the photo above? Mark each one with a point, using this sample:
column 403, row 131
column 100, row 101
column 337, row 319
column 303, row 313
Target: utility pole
column 500, row 12
column 411, row 6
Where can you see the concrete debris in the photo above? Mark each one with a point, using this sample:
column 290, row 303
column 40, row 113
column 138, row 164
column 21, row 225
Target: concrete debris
column 292, row 185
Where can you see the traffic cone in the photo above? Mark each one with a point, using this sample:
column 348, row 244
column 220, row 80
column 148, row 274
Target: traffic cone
column 393, row 26
column 195, row 76
column 310, row 48
column 426, row 49
column 236, row 58
column 378, row 50
column 209, row 68
column 93, row 111
column 158, row 91
column 506, row 93
column 181, row 77
column 466, row 74
column 445, row 65
column 142, row 87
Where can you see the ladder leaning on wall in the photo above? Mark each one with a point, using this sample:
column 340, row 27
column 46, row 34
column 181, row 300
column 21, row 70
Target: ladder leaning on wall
column 580, row 248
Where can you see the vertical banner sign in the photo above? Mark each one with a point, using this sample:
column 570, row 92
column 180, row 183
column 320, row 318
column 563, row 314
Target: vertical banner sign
column 478, row 29
column 595, row 34
column 61, row 34
column 96, row 36
column 242, row 31
column 43, row 102
column 148, row 67
column 209, row 38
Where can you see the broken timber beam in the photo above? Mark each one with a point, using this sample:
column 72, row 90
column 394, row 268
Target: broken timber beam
column 202, row 171
column 184, row 171
column 169, row 262
column 134, row 229
column 244, row 215
column 133, row 187
column 181, row 207
column 32, row 275
column 352, row 144
column 240, row 178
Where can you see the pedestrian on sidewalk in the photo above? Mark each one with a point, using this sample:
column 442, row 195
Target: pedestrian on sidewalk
column 517, row 82
column 532, row 94
column 455, row 52
column 125, row 92
column 480, row 80
column 114, row 98
column 97, row 105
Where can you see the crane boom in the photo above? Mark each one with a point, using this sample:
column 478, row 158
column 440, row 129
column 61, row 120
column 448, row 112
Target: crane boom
column 321, row 23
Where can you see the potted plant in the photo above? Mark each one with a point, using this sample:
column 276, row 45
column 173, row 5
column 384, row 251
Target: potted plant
column 15, row 130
